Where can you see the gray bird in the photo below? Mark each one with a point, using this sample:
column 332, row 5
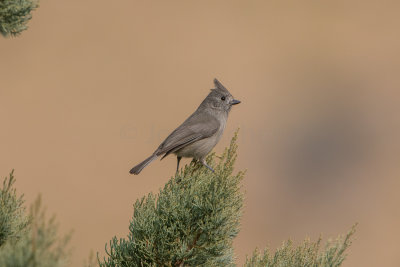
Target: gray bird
column 199, row 133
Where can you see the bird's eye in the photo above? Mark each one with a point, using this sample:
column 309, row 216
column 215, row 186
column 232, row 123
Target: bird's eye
column 223, row 98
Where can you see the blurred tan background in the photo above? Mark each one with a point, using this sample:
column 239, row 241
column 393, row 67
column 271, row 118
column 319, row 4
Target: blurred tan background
column 93, row 87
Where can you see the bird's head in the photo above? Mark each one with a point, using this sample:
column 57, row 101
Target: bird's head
column 219, row 98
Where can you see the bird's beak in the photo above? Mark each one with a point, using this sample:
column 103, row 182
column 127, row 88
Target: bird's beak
column 234, row 102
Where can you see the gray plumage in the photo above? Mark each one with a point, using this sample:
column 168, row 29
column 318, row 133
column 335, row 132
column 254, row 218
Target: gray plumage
column 199, row 133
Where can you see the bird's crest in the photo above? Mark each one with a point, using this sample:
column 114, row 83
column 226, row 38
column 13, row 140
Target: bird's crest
column 219, row 87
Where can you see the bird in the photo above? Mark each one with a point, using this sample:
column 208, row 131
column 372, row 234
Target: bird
column 199, row 133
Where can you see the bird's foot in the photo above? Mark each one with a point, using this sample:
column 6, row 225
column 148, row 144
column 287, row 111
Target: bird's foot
column 203, row 161
column 196, row 165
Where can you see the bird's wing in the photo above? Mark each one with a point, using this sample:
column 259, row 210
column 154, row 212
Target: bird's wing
column 198, row 126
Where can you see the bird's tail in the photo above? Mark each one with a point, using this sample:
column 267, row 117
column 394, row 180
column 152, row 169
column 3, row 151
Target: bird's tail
column 138, row 168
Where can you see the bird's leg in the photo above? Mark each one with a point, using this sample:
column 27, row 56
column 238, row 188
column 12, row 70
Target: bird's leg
column 177, row 166
column 203, row 161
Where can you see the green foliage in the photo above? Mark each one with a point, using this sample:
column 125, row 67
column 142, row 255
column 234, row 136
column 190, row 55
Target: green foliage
column 191, row 222
column 14, row 15
column 308, row 254
column 28, row 240
column 13, row 221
